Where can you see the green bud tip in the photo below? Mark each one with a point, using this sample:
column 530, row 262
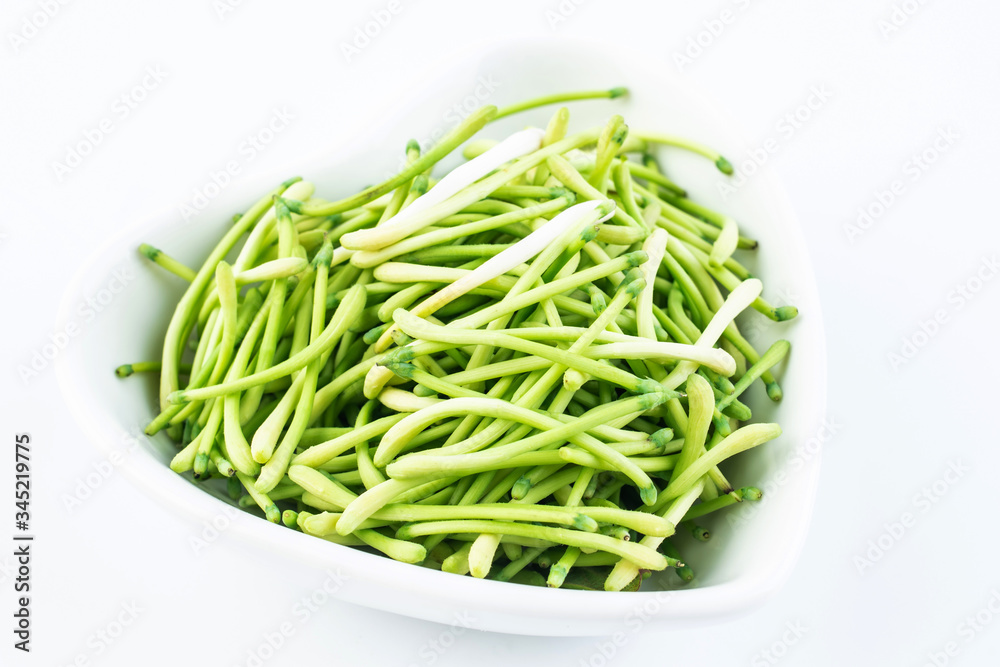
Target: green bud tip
column 373, row 334
column 584, row 522
column 290, row 518
column 291, row 181
column 662, row 437
column 721, row 421
column 419, row 184
column 606, row 207
column 237, row 217
column 558, row 192
column 652, row 393
column 177, row 398
column 399, row 354
column 635, row 287
column 292, row 205
column 738, row 411
column 632, row 275
column 412, row 145
column 619, row 136
column 619, row 91
column 700, row 534
column 774, row 391
column 272, row 513
column 648, row 495
column 200, row 464
column 520, row 488
column 401, row 368
column 637, row 257
column 324, row 256
column 589, row 234
column 149, row 251
column 785, row 313
column 124, row 370
column 751, row 493
column 574, row 380
column 724, row 165
column 281, row 208
column 400, row 338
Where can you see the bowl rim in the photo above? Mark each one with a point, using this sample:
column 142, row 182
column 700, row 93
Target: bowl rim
column 685, row 606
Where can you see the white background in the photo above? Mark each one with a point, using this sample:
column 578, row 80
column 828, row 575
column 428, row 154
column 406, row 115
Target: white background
column 899, row 426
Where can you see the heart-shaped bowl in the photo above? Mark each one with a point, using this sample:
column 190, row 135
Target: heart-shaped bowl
column 120, row 306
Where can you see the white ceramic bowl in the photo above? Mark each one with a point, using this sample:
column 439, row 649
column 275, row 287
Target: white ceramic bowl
column 744, row 562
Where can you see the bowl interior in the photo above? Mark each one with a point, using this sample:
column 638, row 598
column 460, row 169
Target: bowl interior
column 745, row 559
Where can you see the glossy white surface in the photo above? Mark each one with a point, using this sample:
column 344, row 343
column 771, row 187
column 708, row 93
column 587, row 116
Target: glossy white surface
column 739, row 567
